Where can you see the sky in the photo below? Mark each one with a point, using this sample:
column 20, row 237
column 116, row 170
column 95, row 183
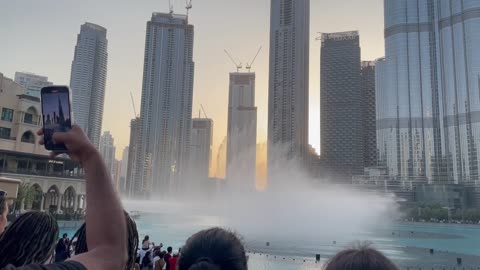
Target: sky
column 39, row 36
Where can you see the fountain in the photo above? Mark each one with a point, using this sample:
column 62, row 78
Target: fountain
column 296, row 214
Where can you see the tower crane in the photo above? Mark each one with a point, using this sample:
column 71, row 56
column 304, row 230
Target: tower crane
column 249, row 66
column 188, row 6
column 170, row 6
column 133, row 105
column 237, row 65
column 204, row 113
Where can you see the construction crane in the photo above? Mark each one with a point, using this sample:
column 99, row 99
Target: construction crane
column 249, row 66
column 133, row 105
column 204, row 113
column 188, row 6
column 170, row 6
column 237, row 65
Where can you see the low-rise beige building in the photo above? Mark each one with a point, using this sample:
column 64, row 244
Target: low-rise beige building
column 55, row 184
column 20, row 118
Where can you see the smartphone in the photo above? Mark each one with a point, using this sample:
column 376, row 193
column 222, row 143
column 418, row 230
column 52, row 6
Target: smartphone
column 56, row 115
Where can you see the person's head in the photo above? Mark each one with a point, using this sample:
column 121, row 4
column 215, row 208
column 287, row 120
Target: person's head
column 132, row 236
column 146, row 238
column 213, row 249
column 65, row 236
column 162, row 254
column 169, row 250
column 3, row 210
column 30, row 239
column 362, row 258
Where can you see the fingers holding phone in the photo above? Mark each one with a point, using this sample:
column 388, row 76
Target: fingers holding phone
column 56, row 115
column 58, row 134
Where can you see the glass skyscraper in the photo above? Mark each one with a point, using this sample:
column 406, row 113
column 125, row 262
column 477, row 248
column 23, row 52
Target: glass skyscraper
column 341, row 124
column 428, row 91
column 166, row 113
column 88, row 79
column 288, row 79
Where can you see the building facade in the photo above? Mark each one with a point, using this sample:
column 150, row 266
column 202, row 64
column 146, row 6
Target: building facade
column 123, row 170
column 88, row 79
column 428, row 102
column 242, row 128
column 56, row 184
column 369, row 115
column 201, row 148
column 107, row 150
column 166, row 112
column 21, row 117
column 133, row 185
column 341, row 126
column 288, row 79
column 32, row 83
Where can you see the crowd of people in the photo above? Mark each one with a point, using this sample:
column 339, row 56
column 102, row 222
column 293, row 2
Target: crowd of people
column 108, row 240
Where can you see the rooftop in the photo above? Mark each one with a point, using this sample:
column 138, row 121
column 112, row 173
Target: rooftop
column 95, row 27
column 169, row 18
column 340, row 35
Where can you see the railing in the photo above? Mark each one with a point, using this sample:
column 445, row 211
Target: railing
column 41, row 173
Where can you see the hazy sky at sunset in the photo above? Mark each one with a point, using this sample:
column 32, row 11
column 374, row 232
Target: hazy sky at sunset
column 39, row 36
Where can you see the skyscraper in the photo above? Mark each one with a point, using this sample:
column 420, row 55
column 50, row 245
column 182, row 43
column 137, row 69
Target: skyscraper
column 88, row 79
column 107, row 150
column 31, row 82
column 201, row 148
column 133, row 185
column 288, row 78
column 123, row 170
column 428, row 102
column 369, row 116
column 166, row 113
column 242, row 128
column 341, row 106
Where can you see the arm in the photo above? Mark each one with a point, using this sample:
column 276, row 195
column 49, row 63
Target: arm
column 106, row 229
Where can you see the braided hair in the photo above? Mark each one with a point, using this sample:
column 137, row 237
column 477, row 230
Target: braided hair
column 213, row 249
column 81, row 241
column 28, row 240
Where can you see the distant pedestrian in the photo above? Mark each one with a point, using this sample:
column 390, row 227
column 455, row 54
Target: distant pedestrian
column 173, row 261
column 167, row 257
column 61, row 250
column 147, row 262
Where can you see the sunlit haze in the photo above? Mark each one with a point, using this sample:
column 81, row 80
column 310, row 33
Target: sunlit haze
column 39, row 37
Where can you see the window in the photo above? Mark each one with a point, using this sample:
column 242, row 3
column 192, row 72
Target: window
column 28, row 137
column 7, row 114
column 5, row 133
column 28, row 118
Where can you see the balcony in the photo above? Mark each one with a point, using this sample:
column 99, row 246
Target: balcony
column 38, row 165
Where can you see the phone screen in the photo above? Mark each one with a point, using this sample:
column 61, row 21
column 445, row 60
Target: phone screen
column 56, row 115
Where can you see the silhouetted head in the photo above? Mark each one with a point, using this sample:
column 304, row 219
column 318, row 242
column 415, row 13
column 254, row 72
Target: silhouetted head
column 169, row 250
column 362, row 258
column 65, row 236
column 213, row 249
column 81, row 241
column 146, row 238
column 3, row 210
column 30, row 239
